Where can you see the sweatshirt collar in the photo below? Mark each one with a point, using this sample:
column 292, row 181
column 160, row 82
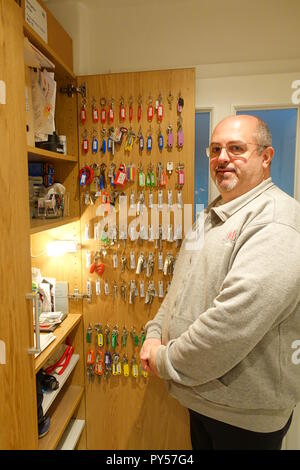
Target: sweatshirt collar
column 227, row 209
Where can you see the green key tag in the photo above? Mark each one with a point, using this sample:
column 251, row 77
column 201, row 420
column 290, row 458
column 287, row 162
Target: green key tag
column 136, row 340
column 148, row 180
column 89, row 335
column 152, row 179
column 141, row 179
column 113, row 340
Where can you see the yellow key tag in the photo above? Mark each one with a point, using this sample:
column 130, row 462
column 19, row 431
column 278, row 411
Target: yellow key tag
column 100, row 340
column 145, row 373
column 114, row 369
column 126, row 370
column 135, row 370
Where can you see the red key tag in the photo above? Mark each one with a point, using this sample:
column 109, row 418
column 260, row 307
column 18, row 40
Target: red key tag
column 103, row 110
column 122, row 110
column 111, row 114
column 83, row 114
column 121, row 176
column 130, row 109
column 95, row 112
column 139, row 111
column 150, row 110
column 160, row 112
column 85, row 144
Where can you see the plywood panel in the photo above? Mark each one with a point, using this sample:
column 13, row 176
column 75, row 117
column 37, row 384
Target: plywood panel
column 129, row 413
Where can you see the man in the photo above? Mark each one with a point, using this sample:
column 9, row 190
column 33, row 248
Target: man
column 225, row 335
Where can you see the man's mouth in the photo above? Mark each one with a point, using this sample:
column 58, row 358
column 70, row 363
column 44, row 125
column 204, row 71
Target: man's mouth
column 225, row 170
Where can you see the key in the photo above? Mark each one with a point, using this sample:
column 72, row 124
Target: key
column 124, row 337
column 170, row 139
column 89, row 333
column 150, row 265
column 140, row 263
column 134, row 336
column 134, row 368
column 132, row 260
column 123, row 263
column 115, row 288
column 107, row 332
column 125, row 366
column 123, row 292
column 114, row 337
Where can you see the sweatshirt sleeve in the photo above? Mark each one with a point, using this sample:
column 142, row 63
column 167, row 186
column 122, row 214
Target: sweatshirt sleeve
column 260, row 290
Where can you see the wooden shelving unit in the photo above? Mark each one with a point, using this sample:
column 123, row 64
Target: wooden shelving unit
column 36, row 154
column 62, row 71
column 61, row 413
column 61, row 333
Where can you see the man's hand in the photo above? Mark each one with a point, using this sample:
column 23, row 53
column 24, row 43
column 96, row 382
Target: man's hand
column 148, row 354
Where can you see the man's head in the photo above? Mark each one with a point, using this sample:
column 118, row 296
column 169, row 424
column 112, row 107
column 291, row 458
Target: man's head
column 245, row 161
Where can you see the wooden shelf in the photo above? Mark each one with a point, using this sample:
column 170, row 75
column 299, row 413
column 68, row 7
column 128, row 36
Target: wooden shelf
column 40, row 225
column 61, row 333
column 71, row 435
column 49, row 397
column 36, row 154
column 60, row 416
column 62, row 71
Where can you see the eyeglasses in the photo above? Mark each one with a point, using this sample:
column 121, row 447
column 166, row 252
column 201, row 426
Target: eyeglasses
column 233, row 149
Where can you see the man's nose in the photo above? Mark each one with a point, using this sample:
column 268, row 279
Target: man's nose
column 223, row 157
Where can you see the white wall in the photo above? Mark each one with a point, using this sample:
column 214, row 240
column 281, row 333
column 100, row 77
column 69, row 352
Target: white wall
column 129, row 35
column 222, row 95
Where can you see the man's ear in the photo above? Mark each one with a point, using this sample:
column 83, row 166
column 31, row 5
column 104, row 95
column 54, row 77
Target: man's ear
column 267, row 154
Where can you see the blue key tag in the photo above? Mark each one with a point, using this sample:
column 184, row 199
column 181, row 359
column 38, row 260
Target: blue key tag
column 149, row 143
column 95, row 145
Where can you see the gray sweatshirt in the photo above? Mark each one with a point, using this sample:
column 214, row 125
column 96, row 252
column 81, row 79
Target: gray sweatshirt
column 230, row 322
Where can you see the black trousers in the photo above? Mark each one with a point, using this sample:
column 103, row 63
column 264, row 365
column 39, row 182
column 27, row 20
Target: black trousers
column 210, row 434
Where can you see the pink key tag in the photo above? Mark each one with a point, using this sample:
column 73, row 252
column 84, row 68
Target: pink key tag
column 180, row 138
column 180, row 177
column 170, row 140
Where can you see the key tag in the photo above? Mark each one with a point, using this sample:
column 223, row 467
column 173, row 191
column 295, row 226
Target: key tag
column 125, row 366
column 170, row 140
column 160, row 263
column 121, row 177
column 180, row 103
column 141, row 141
column 95, row 112
column 122, row 110
column 160, row 139
column 170, row 198
column 141, row 177
column 161, row 293
column 111, row 114
column 89, row 333
column 130, row 111
column 134, row 368
column 106, row 288
column 94, row 142
column 180, row 171
column 179, row 199
column 179, row 134
column 170, row 168
column 85, row 142
column 139, row 110
column 98, row 287
column 150, row 200
column 149, row 140
column 132, row 260
column 83, row 112
column 103, row 110
column 103, row 144
column 160, row 109
column 150, row 110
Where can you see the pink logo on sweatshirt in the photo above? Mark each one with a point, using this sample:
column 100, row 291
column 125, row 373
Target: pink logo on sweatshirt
column 231, row 236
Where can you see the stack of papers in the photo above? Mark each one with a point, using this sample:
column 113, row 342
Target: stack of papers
column 45, row 340
column 50, row 320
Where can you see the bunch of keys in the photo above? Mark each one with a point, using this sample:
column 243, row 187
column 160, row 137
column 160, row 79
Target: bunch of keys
column 141, row 263
column 150, row 293
column 95, row 111
column 141, row 140
column 116, row 364
column 108, row 364
column 103, row 110
column 169, row 264
column 90, row 360
column 180, row 103
column 134, row 337
column 179, row 133
column 133, row 292
column 124, row 337
column 114, row 337
column 125, row 366
column 99, row 335
column 99, row 368
column 150, row 265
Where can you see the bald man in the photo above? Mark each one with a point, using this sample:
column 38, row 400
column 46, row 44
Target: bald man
column 226, row 339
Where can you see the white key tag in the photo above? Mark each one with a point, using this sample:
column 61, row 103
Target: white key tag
column 160, row 261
